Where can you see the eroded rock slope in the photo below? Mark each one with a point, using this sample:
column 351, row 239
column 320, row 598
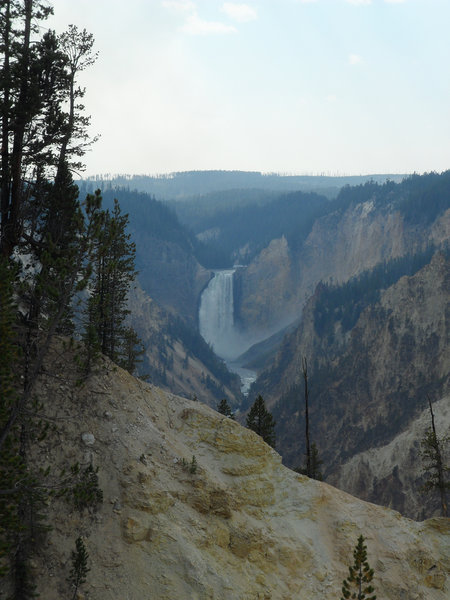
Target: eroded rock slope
column 238, row 526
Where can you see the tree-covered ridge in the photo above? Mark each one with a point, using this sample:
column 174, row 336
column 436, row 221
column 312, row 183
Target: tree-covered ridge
column 420, row 198
column 183, row 185
column 226, row 226
column 344, row 303
column 235, row 219
column 426, row 197
column 254, row 225
column 152, row 218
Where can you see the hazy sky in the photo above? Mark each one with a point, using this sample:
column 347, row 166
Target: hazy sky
column 293, row 86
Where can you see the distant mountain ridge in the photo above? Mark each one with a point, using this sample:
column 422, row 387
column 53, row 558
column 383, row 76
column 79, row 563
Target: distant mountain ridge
column 180, row 185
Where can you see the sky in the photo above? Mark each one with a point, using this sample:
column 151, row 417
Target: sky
column 336, row 87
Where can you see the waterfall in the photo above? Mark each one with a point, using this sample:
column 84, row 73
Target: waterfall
column 216, row 314
column 216, row 323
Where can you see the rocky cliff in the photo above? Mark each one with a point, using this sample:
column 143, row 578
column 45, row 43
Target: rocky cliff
column 170, row 274
column 342, row 244
column 237, row 525
column 366, row 385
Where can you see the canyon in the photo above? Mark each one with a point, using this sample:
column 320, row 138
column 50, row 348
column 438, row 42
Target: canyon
column 369, row 380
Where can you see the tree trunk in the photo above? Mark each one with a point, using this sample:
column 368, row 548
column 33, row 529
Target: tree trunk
column 308, row 445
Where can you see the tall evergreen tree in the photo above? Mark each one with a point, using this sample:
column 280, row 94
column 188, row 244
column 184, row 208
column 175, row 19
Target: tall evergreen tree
column 113, row 260
column 313, row 461
column 308, row 445
column 360, row 576
column 261, row 421
column 21, row 102
column 38, row 136
column 11, row 467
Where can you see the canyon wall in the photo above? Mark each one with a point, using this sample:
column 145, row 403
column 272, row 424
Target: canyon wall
column 369, row 384
column 272, row 290
column 393, row 474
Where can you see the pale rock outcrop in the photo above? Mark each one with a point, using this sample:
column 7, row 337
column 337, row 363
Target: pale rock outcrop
column 340, row 245
column 238, row 525
column 265, row 289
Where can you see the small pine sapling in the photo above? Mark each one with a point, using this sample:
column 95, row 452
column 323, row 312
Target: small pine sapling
column 357, row 585
column 193, row 466
column 86, row 492
column 224, row 409
column 79, row 569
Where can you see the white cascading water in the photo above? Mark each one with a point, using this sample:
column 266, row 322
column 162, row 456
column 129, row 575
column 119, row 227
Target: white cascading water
column 216, row 323
column 216, row 314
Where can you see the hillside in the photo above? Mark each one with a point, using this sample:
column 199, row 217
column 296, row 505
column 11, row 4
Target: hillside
column 393, row 474
column 241, row 526
column 366, row 384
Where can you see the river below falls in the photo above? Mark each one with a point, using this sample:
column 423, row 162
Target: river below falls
column 247, row 376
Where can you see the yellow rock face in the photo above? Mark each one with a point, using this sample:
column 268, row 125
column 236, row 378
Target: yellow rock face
column 239, row 526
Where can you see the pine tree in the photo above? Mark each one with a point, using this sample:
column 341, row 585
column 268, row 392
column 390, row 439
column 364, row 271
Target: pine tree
column 224, row 408
column 37, row 82
column 435, row 469
column 360, row 576
column 79, row 569
column 261, row 421
column 113, row 259
column 23, row 100
column 313, row 462
column 131, row 352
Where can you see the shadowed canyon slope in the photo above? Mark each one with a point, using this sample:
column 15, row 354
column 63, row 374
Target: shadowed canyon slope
column 241, row 527
column 393, row 474
column 176, row 357
column 368, row 384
